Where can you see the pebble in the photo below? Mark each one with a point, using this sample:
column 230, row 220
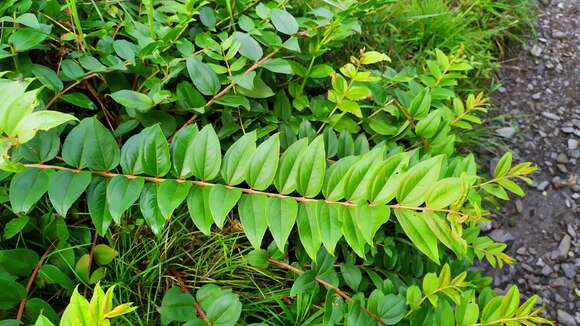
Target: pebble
column 562, row 158
column 508, row 132
column 569, row 270
column 501, row 235
column 572, row 144
column 537, row 96
column 543, row 185
column 536, row 51
column 547, row 270
column 564, row 246
column 558, row 34
column 551, row 115
column 565, row 319
column 568, row 130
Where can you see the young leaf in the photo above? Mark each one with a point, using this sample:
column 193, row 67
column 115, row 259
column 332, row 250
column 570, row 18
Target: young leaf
column 444, row 192
column 503, row 165
column 417, row 180
column 264, row 163
column 386, row 179
column 281, row 218
column 170, row 194
column 236, row 162
column 253, row 210
column 198, row 206
column 221, row 201
column 26, row 188
column 65, row 187
column 27, row 128
column 308, row 228
column 150, row 208
column 312, row 168
column 154, row 152
column 205, row 154
column 133, row 100
column 419, row 232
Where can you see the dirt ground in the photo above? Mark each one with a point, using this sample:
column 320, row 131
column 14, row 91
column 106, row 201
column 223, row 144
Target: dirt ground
column 540, row 97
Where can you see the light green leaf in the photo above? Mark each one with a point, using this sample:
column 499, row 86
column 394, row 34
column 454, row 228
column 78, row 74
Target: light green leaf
column 312, row 168
column 253, row 211
column 308, row 227
column 371, row 57
column 179, row 151
column 15, row 226
column 65, row 187
column 236, row 162
column 77, row 311
column 285, row 181
column 369, row 219
column 417, row 181
column 26, row 188
column 503, row 165
column 278, row 65
column 445, row 192
column 264, row 163
column 281, row 218
column 221, row 201
column 206, row 157
column 330, row 226
column 40, row 120
column 26, row 38
column 133, row 100
column 131, row 155
column 351, row 233
column 419, row 232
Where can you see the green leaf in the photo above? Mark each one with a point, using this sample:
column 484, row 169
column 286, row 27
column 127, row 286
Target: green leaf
column 444, row 193
column 285, row 180
column 352, row 275
column 188, row 98
column 253, row 211
column 264, row 163
column 284, row 22
column 308, row 227
column 510, row 302
column 155, row 157
column 207, row 17
column 260, row 90
column 330, row 225
column 511, row 186
column 176, row 306
column 428, row 126
column 503, row 165
column 133, row 100
column 421, row 103
column 305, row 283
column 131, row 155
column 278, row 65
column 417, row 181
column 418, row 232
column 65, row 187
column 47, row 77
column 97, row 203
column 10, row 294
column 312, row 168
column 73, row 148
column 350, row 231
column 170, row 194
column 121, row 194
column 42, row 148
column 101, row 150
column 124, row 49
column 249, row 47
column 39, row 120
column 386, row 179
column 391, row 309
column 198, row 206
column 79, row 99
column 43, row 321
column 203, row 77
column 246, row 80
column 234, row 101
column 321, row 71
column 150, row 208
column 225, row 310
column 18, row 262
column 360, row 174
column 104, row 254
column 206, row 157
column 221, row 201
column 258, row 258
column 281, row 218
column 26, row 38
column 467, row 314
column 414, row 297
column 26, row 188
column 236, row 162
column 15, row 226
column 179, row 151
column 369, row 219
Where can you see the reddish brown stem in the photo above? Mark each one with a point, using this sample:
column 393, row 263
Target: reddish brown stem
column 31, row 280
column 199, row 311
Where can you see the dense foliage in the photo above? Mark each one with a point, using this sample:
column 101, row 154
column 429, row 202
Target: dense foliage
column 227, row 163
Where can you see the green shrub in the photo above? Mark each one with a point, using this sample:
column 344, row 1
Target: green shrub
column 226, row 117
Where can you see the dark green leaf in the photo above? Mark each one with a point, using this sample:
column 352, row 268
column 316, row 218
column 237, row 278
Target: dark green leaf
column 26, row 188
column 281, row 218
column 155, row 157
column 203, row 77
column 264, row 163
column 65, row 187
column 253, row 210
column 222, row 200
column 284, row 22
column 97, row 202
column 198, row 205
column 150, row 208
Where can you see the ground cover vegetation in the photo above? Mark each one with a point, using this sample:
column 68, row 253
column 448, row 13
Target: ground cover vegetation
column 223, row 163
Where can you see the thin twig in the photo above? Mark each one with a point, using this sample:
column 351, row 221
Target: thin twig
column 200, row 313
column 31, row 279
column 327, row 285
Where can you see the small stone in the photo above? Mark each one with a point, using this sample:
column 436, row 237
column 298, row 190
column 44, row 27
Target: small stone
column 569, row 227
column 569, row 270
column 486, row 226
column 561, row 282
column 558, row 34
column 565, row 319
column 537, row 96
column 572, row 144
column 551, row 115
column 568, row 130
column 543, row 185
column 564, row 246
column 562, row 158
column 536, row 51
column 540, row 263
column 522, row 251
column 508, row 132
column 547, row 270
column 501, row 235
column 528, row 268
column 519, row 206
